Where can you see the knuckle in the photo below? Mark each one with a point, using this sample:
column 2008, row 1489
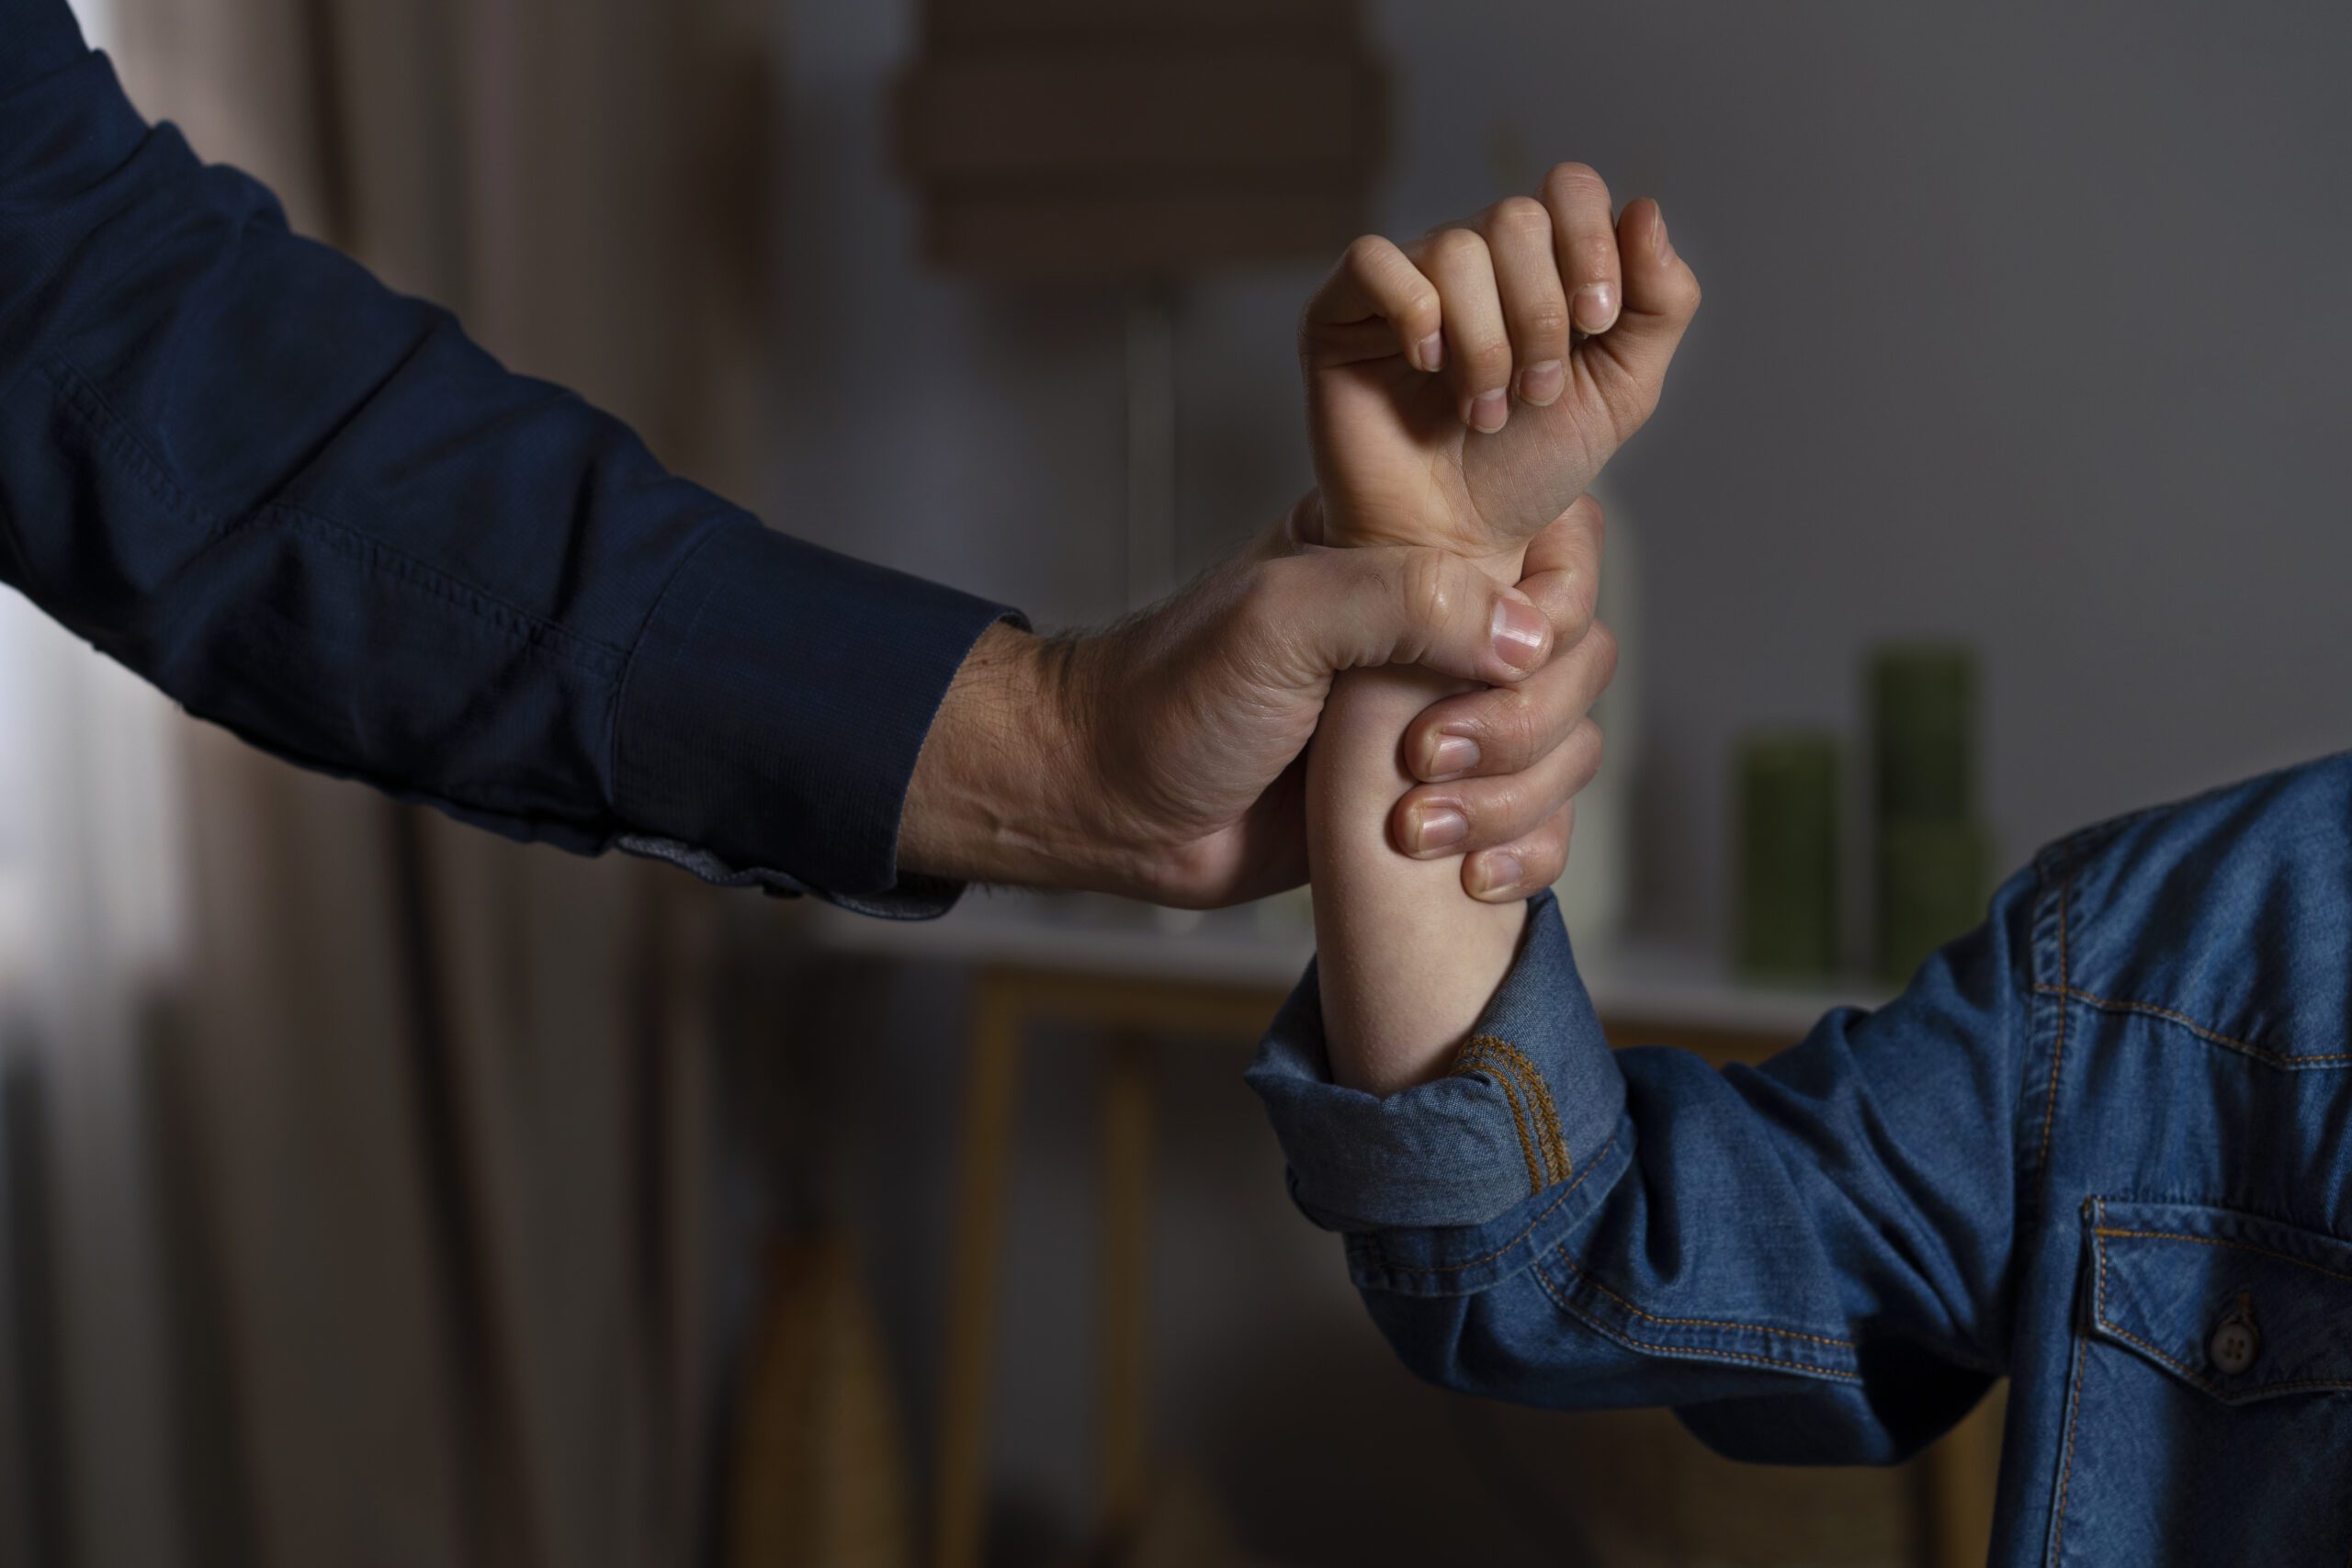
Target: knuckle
column 1425, row 588
column 1545, row 321
column 1523, row 217
column 1604, row 649
column 1366, row 253
column 1595, row 257
column 1588, row 750
column 1545, row 855
column 1573, row 181
column 1569, row 606
column 1487, row 357
column 1457, row 247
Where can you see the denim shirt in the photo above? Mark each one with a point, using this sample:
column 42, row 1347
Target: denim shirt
column 2102, row 1147
column 313, row 511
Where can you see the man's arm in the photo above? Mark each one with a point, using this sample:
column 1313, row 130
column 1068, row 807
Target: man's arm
column 311, row 511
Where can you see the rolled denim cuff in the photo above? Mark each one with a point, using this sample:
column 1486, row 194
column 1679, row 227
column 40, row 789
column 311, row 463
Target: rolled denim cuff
column 1532, row 1102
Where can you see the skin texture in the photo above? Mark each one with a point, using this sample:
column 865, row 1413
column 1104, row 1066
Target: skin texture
column 1161, row 757
column 1449, row 405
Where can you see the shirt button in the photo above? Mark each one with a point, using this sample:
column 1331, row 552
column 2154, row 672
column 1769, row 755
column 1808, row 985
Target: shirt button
column 2233, row 1346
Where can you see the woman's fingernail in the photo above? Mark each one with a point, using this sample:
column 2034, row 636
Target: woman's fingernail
column 1518, row 629
column 1437, row 828
column 1431, row 353
column 1658, row 239
column 1452, row 755
column 1596, row 307
column 1489, row 409
column 1539, row 384
column 1495, row 876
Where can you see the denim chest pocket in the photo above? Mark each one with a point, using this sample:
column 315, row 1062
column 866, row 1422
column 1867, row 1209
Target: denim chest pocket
column 2210, row 1415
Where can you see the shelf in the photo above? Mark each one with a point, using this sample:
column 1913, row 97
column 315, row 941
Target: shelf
column 1265, row 949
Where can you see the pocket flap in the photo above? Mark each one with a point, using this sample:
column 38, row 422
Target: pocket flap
column 2243, row 1308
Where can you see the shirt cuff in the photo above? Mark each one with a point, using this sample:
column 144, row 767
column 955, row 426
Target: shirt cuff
column 1531, row 1105
column 772, row 712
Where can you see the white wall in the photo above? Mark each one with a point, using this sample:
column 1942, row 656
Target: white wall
column 2024, row 323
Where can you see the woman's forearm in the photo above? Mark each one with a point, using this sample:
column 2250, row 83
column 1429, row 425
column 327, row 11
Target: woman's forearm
column 1407, row 960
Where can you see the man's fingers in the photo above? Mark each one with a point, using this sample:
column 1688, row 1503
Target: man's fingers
column 1470, row 815
column 1629, row 362
column 1507, row 729
column 1535, row 310
column 1374, row 303
column 1478, row 346
column 1523, row 869
column 1562, row 569
column 1326, row 610
column 1586, row 241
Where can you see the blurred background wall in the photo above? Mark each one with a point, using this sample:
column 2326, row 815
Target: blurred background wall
column 2023, row 325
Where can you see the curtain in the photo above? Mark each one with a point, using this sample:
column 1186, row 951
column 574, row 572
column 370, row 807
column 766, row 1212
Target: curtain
column 402, row 1158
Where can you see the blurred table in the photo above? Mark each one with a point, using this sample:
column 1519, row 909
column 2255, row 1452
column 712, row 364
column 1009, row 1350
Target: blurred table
column 1134, row 976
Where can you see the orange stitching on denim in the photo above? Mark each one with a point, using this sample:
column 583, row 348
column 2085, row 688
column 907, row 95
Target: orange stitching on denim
column 2058, row 1054
column 2074, row 1394
column 1522, row 1235
column 1538, row 1094
column 2066, row 1475
column 2222, row 1241
column 1699, row 1322
column 2264, row 1053
column 1472, row 1060
column 1497, row 1057
column 1684, row 1351
column 1535, row 1175
column 1485, row 1055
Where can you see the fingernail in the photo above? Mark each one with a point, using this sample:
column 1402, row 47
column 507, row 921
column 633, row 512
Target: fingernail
column 1596, row 307
column 1451, row 756
column 1438, row 828
column 1658, row 239
column 1431, row 353
column 1541, row 383
column 1489, row 409
column 1495, row 876
column 1519, row 630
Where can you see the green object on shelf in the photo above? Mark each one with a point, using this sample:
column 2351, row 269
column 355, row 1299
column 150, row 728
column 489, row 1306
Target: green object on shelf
column 1789, row 926
column 1933, row 855
column 1923, row 732
column 1932, row 884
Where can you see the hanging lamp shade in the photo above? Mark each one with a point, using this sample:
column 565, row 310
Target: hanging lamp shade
column 1138, row 141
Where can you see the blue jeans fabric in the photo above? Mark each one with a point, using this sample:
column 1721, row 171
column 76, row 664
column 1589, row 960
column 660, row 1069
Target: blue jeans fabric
column 2099, row 1147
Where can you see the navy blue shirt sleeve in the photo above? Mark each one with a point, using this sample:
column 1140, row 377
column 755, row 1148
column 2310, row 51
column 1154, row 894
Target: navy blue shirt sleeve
column 311, row 511
column 1809, row 1260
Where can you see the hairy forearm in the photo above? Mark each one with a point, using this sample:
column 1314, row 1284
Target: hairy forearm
column 987, row 802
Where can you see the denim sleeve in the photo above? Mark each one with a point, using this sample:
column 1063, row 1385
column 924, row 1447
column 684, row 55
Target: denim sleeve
column 1809, row 1260
column 313, row 511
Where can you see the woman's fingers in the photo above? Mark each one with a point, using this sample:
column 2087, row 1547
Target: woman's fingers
column 1534, row 308
column 1629, row 364
column 1584, row 238
column 1376, row 303
column 1478, row 348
